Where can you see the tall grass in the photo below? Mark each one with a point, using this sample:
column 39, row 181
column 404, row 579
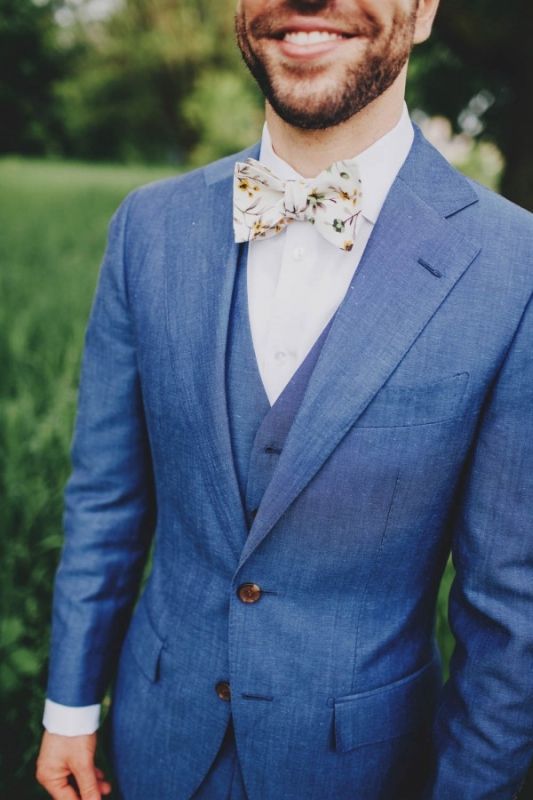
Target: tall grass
column 53, row 223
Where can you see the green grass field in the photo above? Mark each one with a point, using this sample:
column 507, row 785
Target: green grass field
column 53, row 224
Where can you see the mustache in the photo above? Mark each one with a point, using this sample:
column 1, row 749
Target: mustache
column 272, row 23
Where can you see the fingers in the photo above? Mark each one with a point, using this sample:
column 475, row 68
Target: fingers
column 57, row 786
column 62, row 789
column 64, row 794
column 86, row 779
column 66, row 768
column 103, row 784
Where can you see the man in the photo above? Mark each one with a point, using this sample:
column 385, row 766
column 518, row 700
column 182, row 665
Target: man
column 313, row 377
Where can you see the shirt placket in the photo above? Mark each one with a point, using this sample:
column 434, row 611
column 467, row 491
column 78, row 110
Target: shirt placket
column 282, row 355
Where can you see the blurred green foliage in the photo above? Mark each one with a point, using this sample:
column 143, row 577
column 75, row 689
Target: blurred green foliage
column 53, row 221
column 158, row 81
column 162, row 80
column 31, row 62
column 477, row 69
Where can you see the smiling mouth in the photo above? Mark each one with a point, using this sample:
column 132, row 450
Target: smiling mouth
column 303, row 38
column 309, row 44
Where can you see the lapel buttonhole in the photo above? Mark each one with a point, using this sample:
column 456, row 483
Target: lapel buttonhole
column 437, row 273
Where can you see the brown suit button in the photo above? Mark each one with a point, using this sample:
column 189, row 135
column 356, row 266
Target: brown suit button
column 223, row 690
column 249, row 592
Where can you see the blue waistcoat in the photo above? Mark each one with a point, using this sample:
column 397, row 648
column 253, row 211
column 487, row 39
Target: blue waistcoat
column 258, row 430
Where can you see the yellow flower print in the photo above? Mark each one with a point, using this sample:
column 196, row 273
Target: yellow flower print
column 258, row 229
column 245, row 186
column 352, row 198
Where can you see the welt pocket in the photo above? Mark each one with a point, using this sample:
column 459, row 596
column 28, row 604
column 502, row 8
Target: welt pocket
column 397, row 405
column 388, row 711
column 144, row 642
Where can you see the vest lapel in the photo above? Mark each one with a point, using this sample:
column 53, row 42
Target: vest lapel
column 412, row 261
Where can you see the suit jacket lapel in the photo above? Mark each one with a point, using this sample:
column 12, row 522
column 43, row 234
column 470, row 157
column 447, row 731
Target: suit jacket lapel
column 412, row 261
column 202, row 270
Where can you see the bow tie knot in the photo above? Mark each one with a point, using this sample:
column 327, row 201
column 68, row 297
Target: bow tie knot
column 295, row 199
column 263, row 204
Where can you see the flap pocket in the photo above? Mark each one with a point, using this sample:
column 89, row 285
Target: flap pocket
column 388, row 711
column 397, row 405
column 144, row 643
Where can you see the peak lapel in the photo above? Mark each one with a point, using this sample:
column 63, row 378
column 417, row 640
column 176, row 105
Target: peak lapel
column 412, row 261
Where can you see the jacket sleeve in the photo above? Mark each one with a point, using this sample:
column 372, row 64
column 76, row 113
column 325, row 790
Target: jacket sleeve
column 109, row 505
column 483, row 730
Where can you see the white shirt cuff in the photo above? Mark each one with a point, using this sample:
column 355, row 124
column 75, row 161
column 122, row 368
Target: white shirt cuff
column 70, row 720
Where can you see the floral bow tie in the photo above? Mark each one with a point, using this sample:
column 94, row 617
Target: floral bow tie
column 263, row 205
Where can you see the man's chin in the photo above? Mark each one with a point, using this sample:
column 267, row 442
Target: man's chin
column 308, row 106
column 305, row 116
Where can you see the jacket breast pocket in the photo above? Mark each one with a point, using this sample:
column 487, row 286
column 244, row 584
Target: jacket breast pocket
column 386, row 712
column 399, row 405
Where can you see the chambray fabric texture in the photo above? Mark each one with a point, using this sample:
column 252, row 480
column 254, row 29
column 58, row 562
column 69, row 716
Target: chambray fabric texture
column 224, row 779
column 258, row 432
column 414, row 437
column 298, row 280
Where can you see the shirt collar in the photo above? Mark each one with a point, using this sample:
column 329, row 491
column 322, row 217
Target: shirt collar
column 378, row 165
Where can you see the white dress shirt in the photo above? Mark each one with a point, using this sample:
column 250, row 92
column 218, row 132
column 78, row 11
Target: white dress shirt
column 296, row 281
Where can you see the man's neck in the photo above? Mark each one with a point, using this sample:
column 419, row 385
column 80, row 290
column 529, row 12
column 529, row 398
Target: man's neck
column 310, row 152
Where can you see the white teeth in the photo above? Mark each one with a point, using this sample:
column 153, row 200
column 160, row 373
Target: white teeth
column 310, row 37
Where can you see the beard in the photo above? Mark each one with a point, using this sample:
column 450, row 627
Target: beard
column 295, row 92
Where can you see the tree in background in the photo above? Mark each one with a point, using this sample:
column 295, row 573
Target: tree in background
column 478, row 71
column 30, row 65
column 162, row 80
column 159, row 80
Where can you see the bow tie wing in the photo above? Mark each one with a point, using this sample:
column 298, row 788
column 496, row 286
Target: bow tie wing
column 335, row 203
column 257, row 201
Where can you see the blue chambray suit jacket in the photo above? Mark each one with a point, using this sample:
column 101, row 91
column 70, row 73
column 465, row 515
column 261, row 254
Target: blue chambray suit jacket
column 414, row 439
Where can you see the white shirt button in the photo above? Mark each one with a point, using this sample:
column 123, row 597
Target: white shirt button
column 280, row 355
column 298, row 253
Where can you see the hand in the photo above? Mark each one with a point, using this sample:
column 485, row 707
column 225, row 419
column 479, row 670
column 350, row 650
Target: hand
column 65, row 762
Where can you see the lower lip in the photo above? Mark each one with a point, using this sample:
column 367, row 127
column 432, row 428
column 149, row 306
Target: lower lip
column 304, row 52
